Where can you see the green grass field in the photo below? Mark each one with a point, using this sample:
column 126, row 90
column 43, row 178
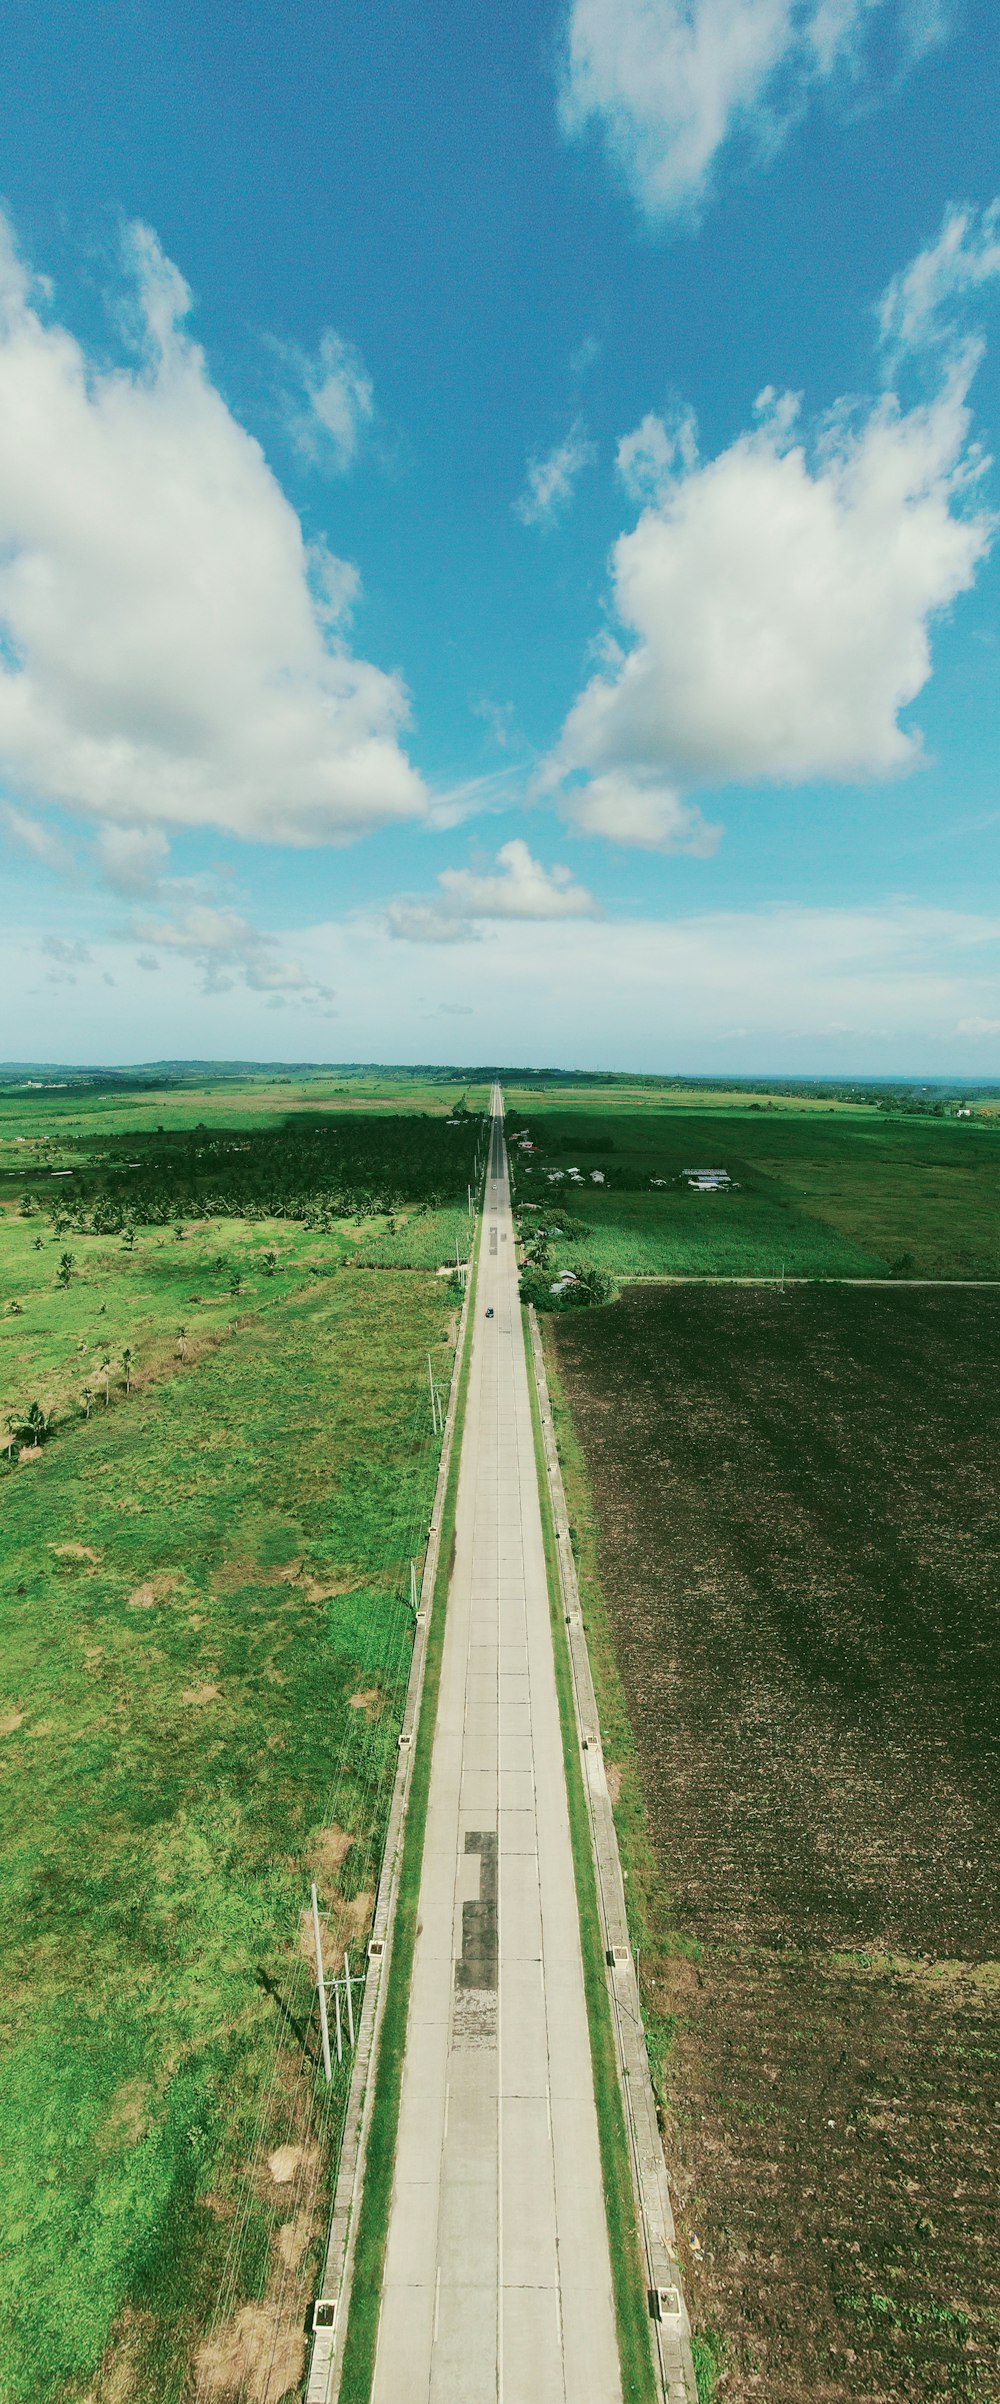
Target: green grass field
column 840, row 1192
column 51, row 1114
column 205, row 1631
column 205, row 1642
column 53, row 1339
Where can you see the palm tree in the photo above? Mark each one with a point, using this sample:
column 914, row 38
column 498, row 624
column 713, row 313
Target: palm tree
column 36, row 1425
column 11, row 1434
column 128, row 1357
column 182, row 1342
column 236, row 1282
column 65, row 1270
column 270, row 1263
column 106, row 1374
column 87, row 1398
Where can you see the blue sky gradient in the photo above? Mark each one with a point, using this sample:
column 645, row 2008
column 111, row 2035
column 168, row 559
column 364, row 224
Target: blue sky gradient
column 498, row 288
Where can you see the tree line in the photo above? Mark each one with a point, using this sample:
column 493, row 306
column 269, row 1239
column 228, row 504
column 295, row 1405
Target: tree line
column 309, row 1170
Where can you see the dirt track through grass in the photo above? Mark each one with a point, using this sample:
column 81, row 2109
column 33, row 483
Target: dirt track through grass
column 800, row 1545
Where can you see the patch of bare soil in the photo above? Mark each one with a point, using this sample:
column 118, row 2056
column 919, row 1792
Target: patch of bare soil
column 128, row 2115
column 9, row 1721
column 293, row 2238
column 201, row 1694
column 157, row 1589
column 323, row 1590
column 800, row 1547
column 259, row 2353
column 116, row 2380
column 370, row 1699
column 256, row 2356
column 327, row 1854
column 287, row 2161
column 347, row 1924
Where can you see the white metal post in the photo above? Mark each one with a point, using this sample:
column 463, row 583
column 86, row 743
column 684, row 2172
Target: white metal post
column 340, row 2033
column 413, row 1588
column 430, row 1381
column 321, row 1984
column 350, row 2006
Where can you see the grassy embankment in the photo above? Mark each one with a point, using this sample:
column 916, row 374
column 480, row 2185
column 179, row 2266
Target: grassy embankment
column 834, row 1192
column 631, row 2305
column 205, row 1647
column 655, row 1937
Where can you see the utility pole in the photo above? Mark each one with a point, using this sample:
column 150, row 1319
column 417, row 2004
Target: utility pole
column 430, row 1381
column 321, row 1984
column 413, row 1588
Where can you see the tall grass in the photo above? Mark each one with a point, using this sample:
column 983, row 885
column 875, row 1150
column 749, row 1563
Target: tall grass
column 193, row 1588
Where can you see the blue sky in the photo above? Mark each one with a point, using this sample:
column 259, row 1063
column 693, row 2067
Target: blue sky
column 418, row 638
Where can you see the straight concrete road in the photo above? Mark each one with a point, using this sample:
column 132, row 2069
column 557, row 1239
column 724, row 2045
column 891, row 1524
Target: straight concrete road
column 498, row 2275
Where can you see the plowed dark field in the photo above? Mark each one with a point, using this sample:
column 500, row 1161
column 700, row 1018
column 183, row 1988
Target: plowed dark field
column 800, row 1544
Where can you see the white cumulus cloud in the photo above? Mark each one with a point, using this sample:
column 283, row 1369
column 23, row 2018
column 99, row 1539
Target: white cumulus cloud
column 668, row 82
column 776, row 604
column 335, row 400
column 39, row 841
column 628, row 806
column 518, row 887
column 919, row 305
column 164, row 657
column 228, row 949
column 133, row 858
column 646, row 458
column 551, row 480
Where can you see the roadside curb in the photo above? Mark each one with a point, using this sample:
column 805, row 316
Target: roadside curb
column 668, row 2312
column 326, row 2362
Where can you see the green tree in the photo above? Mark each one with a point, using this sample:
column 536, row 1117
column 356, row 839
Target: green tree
column 128, row 1358
column 106, row 1374
column 270, row 1263
column 35, row 1426
column 65, row 1269
column 182, row 1335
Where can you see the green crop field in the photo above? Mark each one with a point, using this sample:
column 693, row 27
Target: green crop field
column 833, row 1191
column 784, row 1506
column 44, row 1112
column 208, row 1522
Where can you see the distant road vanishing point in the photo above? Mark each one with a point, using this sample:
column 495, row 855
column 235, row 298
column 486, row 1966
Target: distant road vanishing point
column 498, row 2275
